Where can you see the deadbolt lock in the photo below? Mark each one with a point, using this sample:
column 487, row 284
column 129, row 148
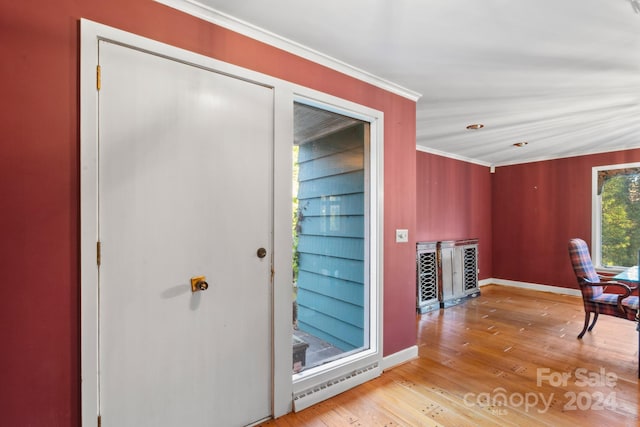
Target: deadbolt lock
column 199, row 283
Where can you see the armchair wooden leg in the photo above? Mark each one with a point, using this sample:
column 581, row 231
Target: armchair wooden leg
column 587, row 314
column 595, row 319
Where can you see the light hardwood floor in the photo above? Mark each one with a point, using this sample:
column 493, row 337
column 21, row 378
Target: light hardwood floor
column 508, row 344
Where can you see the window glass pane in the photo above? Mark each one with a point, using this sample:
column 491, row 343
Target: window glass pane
column 620, row 220
column 330, row 284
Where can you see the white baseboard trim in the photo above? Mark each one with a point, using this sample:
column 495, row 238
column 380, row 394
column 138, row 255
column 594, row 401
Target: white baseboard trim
column 485, row 282
column 399, row 358
column 532, row 286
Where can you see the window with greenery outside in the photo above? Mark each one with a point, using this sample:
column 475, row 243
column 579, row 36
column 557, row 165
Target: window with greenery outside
column 620, row 217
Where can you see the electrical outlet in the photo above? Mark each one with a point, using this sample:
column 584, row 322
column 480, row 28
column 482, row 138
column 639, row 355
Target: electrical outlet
column 402, row 236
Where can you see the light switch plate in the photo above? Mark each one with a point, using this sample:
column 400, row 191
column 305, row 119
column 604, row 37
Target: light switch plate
column 402, row 236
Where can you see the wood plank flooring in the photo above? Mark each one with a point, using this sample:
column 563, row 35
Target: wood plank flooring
column 508, row 358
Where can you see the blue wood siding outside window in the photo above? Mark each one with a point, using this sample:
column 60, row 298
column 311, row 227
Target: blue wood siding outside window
column 331, row 243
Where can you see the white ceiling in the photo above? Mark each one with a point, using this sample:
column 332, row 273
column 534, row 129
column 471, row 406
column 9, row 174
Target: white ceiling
column 562, row 75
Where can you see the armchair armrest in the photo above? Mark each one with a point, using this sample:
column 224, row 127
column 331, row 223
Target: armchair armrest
column 610, row 279
column 606, row 283
column 603, row 274
column 610, row 282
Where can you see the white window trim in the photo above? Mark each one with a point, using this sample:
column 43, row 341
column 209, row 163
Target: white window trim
column 596, row 216
column 319, row 383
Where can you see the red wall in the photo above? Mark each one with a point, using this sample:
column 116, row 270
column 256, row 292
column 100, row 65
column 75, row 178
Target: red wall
column 39, row 186
column 454, row 202
column 537, row 208
column 524, row 215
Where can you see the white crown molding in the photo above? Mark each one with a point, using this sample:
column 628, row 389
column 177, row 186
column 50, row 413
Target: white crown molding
column 229, row 22
column 518, row 162
column 566, row 156
column 451, row 156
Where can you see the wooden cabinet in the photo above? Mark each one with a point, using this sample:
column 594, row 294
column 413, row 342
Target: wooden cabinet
column 447, row 273
column 458, row 262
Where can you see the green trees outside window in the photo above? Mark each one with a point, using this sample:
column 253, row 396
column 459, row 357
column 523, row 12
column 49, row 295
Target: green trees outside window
column 620, row 227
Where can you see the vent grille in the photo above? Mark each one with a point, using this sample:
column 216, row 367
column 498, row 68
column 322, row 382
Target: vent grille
column 470, row 265
column 427, row 277
column 327, row 389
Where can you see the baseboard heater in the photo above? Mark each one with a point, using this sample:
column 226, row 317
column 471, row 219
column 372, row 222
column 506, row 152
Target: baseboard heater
column 333, row 387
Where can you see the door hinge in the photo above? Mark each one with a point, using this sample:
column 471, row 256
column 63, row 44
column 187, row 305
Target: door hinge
column 98, row 77
column 99, row 420
column 98, row 253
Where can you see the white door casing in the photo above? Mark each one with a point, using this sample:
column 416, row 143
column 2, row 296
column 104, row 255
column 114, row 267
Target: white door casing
column 185, row 172
column 284, row 94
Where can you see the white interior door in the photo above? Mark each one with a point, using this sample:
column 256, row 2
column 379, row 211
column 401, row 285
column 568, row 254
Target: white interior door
column 185, row 189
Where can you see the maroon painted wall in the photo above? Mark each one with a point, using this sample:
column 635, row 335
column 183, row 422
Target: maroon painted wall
column 537, row 208
column 524, row 215
column 39, row 186
column 454, row 202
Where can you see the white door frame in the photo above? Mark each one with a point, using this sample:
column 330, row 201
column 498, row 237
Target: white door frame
column 284, row 95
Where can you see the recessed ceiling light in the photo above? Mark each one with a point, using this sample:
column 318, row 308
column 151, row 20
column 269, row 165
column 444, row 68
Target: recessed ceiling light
column 475, row 126
column 520, row 144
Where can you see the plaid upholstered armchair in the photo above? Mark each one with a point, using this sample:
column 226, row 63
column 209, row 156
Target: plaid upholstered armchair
column 593, row 287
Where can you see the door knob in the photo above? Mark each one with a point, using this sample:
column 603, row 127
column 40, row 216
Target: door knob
column 199, row 283
column 262, row 252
